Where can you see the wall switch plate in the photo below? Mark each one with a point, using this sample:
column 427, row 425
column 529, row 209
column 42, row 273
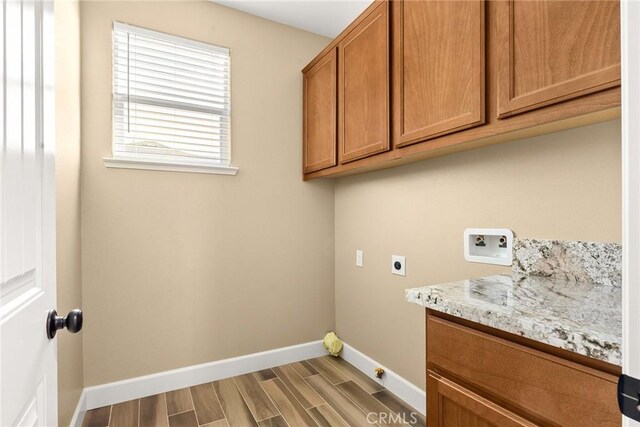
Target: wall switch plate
column 359, row 258
column 398, row 265
column 489, row 245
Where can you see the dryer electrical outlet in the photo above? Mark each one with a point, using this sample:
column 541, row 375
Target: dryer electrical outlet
column 489, row 245
column 398, row 265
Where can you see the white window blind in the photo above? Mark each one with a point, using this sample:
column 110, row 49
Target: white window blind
column 170, row 99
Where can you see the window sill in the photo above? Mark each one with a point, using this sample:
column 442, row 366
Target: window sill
column 170, row 167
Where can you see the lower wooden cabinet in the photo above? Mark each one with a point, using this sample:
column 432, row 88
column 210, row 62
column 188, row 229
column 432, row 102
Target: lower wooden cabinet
column 452, row 405
column 485, row 377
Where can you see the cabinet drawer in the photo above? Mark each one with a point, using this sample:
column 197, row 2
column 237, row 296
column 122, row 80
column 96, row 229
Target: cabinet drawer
column 542, row 386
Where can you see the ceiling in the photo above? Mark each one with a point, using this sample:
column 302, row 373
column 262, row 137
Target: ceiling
column 324, row 17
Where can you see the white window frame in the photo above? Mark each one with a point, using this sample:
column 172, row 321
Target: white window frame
column 160, row 165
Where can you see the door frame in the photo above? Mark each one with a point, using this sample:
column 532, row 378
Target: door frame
column 630, row 40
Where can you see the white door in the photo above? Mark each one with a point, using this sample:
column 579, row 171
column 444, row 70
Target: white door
column 27, row 214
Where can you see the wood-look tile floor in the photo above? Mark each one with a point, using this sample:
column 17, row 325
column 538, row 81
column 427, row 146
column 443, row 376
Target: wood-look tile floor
column 326, row 391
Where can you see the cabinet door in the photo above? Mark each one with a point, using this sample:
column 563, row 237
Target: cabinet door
column 439, row 68
column 451, row 405
column 364, row 87
column 320, row 114
column 551, row 51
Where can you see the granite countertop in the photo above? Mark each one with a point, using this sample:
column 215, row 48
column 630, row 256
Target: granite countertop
column 582, row 317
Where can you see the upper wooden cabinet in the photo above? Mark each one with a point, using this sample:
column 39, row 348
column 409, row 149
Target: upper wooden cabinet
column 439, row 68
column 413, row 79
column 552, row 51
column 320, row 114
column 363, row 87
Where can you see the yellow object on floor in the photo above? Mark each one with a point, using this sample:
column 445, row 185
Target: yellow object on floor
column 333, row 344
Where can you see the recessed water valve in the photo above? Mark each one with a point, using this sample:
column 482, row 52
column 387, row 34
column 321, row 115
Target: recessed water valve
column 488, row 245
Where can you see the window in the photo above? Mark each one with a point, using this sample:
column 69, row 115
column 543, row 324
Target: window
column 171, row 106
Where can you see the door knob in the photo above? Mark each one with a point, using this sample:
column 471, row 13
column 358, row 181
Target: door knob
column 73, row 322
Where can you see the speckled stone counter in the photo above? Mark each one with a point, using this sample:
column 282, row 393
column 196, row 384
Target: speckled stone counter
column 582, row 317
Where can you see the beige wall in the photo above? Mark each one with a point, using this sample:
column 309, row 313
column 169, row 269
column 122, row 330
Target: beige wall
column 67, row 23
column 184, row 268
column 180, row 268
column 565, row 185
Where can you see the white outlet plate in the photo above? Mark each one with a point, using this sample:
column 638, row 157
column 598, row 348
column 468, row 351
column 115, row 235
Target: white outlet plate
column 403, row 265
column 359, row 258
column 492, row 251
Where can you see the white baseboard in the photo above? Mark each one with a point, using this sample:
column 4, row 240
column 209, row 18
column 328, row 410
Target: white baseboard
column 411, row 394
column 135, row 388
column 81, row 409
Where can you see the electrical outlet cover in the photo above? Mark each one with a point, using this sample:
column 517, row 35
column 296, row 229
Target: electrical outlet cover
column 402, row 264
column 359, row 258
